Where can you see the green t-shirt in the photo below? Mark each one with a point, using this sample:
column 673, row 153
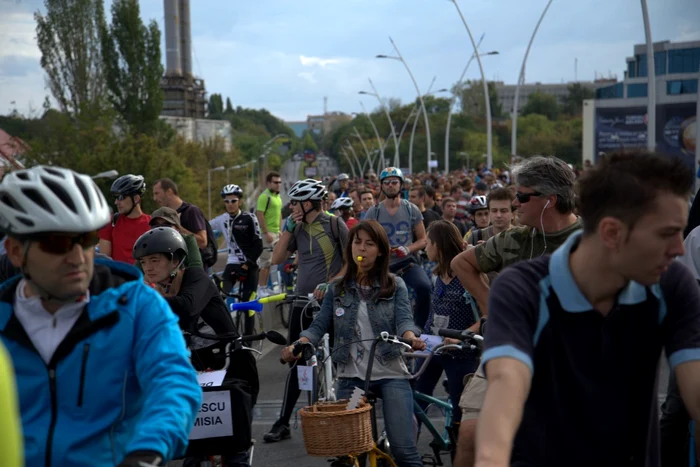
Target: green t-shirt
column 271, row 205
column 11, row 452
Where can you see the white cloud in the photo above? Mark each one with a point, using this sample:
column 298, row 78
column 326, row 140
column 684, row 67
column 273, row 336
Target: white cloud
column 18, row 35
column 308, row 76
column 318, row 61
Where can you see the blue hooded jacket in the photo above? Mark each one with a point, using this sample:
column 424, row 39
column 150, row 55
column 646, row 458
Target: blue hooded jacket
column 121, row 380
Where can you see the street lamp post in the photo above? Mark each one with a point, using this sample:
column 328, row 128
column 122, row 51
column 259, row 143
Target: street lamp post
column 452, row 104
column 357, row 160
column 651, row 80
column 489, row 135
column 413, row 134
column 107, row 174
column 521, row 81
column 352, row 166
column 388, row 116
column 381, row 145
column 370, row 159
column 468, row 162
column 420, row 96
column 217, row 169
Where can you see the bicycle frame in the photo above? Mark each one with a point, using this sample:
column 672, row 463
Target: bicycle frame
column 443, row 439
column 328, row 368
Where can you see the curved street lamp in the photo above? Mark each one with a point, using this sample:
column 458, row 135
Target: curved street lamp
column 489, row 132
column 651, row 80
column 420, row 96
column 385, row 107
column 454, row 100
column 521, row 80
column 413, row 134
column 107, row 174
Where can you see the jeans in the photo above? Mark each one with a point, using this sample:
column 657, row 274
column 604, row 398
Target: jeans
column 455, row 370
column 415, row 277
column 397, row 402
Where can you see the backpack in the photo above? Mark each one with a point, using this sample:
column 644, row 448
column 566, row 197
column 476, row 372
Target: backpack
column 210, row 253
column 334, row 232
column 407, row 205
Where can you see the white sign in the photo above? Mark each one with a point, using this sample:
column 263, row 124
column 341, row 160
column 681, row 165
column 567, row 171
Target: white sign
column 214, row 417
column 305, row 375
column 209, row 379
column 433, row 164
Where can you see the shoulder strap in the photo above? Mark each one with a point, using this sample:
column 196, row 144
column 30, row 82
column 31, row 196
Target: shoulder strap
column 114, row 218
column 334, row 231
column 268, row 201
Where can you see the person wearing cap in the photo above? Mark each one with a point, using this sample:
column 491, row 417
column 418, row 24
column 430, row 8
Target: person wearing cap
column 129, row 222
column 103, row 374
column 167, row 217
column 343, row 181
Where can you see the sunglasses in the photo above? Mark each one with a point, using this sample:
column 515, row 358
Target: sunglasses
column 390, row 182
column 525, row 197
column 293, row 203
column 60, row 244
column 230, row 201
column 276, row 182
column 120, row 197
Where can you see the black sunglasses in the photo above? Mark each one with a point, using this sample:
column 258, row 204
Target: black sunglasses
column 60, row 244
column 525, row 197
column 230, row 201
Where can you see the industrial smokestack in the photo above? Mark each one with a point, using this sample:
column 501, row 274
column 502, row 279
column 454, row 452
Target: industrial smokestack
column 172, row 38
column 185, row 38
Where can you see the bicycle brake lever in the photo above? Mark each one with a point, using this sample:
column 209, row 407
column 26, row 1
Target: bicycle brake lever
column 252, row 350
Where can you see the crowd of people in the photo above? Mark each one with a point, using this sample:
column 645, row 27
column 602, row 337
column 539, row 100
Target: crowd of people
column 575, row 274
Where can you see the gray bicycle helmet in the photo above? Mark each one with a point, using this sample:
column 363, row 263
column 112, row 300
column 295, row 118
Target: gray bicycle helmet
column 231, row 190
column 129, row 185
column 342, row 203
column 307, row 190
column 164, row 240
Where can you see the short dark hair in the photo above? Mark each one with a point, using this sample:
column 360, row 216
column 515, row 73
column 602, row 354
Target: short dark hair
column 499, row 194
column 481, row 186
column 467, row 184
column 420, row 190
column 625, row 185
column 430, row 191
column 167, row 184
column 272, row 175
column 367, row 192
column 455, row 189
column 447, row 200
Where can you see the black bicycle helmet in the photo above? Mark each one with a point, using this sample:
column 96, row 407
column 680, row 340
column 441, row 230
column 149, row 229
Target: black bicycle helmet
column 129, row 185
column 164, row 240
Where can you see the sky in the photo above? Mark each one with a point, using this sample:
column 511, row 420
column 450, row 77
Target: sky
column 286, row 56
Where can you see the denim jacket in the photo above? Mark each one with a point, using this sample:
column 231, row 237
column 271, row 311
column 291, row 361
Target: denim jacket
column 339, row 309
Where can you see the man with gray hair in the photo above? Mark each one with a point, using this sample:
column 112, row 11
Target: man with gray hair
column 544, row 201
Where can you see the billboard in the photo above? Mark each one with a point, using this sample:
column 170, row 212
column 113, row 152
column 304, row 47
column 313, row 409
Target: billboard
column 626, row 128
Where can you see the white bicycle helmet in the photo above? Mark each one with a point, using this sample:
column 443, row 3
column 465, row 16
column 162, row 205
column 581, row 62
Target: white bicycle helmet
column 307, row 190
column 231, row 190
column 47, row 199
column 343, row 202
column 342, row 177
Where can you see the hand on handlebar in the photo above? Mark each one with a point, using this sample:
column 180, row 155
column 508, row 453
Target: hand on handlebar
column 320, row 291
column 400, row 251
column 288, row 354
column 416, row 342
column 450, row 341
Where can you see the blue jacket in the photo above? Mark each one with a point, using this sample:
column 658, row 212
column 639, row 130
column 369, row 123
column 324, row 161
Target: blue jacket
column 121, row 380
column 339, row 310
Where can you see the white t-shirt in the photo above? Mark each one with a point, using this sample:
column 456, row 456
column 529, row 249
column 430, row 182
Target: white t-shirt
column 46, row 330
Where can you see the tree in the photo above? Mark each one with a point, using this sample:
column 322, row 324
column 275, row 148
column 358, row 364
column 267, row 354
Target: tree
column 68, row 38
column 229, row 107
column 216, row 106
column 573, row 102
column 543, row 104
column 132, row 65
column 308, row 142
column 471, row 96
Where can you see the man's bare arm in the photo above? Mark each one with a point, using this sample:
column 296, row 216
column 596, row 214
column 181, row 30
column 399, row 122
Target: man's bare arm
column 421, row 238
column 466, row 267
column 688, row 377
column 200, row 236
column 261, row 220
column 508, row 387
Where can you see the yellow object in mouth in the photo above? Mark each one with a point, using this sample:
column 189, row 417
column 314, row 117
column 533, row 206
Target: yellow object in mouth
column 359, row 259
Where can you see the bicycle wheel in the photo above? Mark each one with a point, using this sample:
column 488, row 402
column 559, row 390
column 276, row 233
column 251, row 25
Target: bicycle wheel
column 284, row 310
column 254, row 322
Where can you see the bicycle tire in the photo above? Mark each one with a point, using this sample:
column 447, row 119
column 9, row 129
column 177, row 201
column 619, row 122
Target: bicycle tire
column 285, row 311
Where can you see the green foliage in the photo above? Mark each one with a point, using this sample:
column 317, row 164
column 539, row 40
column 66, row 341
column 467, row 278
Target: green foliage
column 543, row 104
column 216, row 106
column 308, row 142
column 573, row 103
column 132, row 66
column 68, row 38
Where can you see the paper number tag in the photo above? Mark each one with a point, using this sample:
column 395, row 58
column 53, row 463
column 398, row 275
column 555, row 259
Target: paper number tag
column 305, row 376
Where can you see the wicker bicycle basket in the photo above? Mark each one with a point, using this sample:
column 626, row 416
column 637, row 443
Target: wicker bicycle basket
column 330, row 430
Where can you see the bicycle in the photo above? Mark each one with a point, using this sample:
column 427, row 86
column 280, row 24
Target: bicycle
column 445, row 442
column 376, row 448
column 230, row 433
column 246, row 316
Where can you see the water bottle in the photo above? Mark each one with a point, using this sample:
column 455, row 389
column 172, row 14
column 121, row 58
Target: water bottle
column 275, row 279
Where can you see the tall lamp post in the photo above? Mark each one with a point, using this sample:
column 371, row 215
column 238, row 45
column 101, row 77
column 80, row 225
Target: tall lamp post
column 452, row 104
column 413, row 134
column 354, row 154
column 400, row 58
column 489, row 135
column 370, row 159
column 651, row 80
column 381, row 145
column 388, row 116
column 521, row 81
column 107, row 174
column 352, row 166
column 217, row 169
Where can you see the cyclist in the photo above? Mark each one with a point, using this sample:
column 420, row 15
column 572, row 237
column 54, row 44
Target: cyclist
column 344, row 208
column 318, row 240
column 105, row 377
column 500, row 204
column 591, row 321
column 166, row 217
column 361, row 303
column 196, row 302
column 449, row 208
column 343, row 181
column 417, row 196
column 118, row 237
column 269, row 214
column 244, row 243
column 11, row 439
column 479, row 211
column 403, row 223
